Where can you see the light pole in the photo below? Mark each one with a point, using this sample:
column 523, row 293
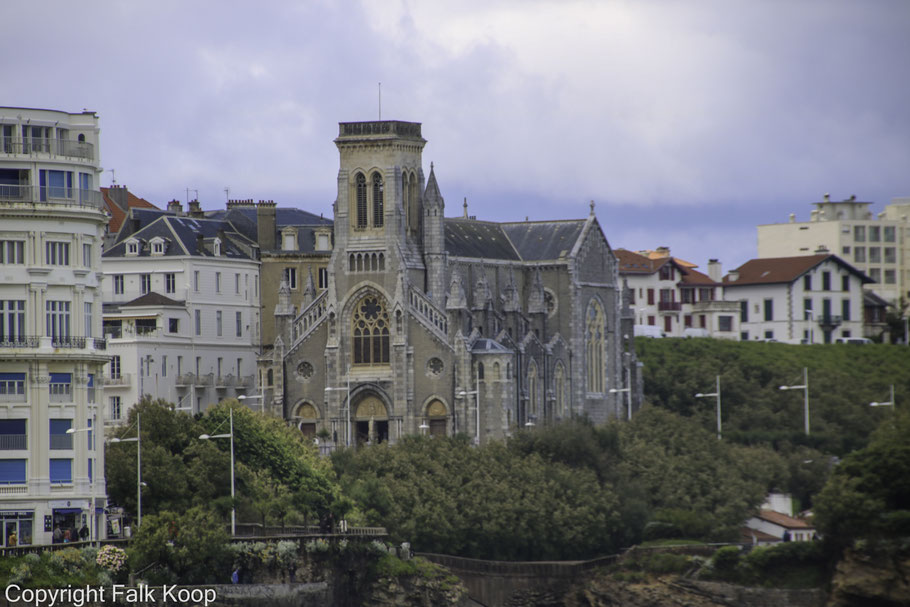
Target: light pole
column 93, row 535
column 715, row 394
column 627, row 389
column 347, row 409
column 889, row 403
column 229, row 435
column 476, row 394
column 805, row 388
column 138, row 440
column 245, row 397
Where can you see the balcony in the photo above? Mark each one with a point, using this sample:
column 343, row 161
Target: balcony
column 828, row 322
column 19, row 341
column 67, row 341
column 100, row 343
column 223, row 382
column 68, row 148
column 669, row 306
column 13, row 442
column 14, row 489
column 65, row 196
column 121, row 379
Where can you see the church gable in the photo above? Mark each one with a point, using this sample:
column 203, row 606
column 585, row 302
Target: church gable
column 595, row 260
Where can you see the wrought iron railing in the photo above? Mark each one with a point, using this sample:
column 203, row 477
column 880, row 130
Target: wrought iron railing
column 19, row 341
column 45, row 145
column 13, row 442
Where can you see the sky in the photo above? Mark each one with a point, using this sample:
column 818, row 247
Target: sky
column 687, row 122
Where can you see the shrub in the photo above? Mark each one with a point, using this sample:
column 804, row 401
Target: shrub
column 726, row 559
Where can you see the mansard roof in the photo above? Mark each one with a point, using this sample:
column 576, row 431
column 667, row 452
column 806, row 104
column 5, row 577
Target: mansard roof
column 186, row 234
column 518, row 241
column 245, row 219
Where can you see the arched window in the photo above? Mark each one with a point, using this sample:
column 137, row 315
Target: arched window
column 405, row 190
column 560, row 388
column 479, row 370
column 361, row 200
column 595, row 345
column 532, row 389
column 377, row 201
column 370, row 332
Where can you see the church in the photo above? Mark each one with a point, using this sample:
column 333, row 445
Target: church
column 447, row 325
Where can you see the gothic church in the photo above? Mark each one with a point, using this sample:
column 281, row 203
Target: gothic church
column 440, row 325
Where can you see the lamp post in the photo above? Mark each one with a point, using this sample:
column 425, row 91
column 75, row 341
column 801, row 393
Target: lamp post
column 627, row 389
column 715, row 394
column 889, row 403
column 138, row 440
column 229, row 435
column 93, row 535
column 245, row 397
column 805, row 388
column 476, row 394
column 347, row 408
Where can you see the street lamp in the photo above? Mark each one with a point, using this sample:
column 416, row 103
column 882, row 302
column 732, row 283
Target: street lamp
column 805, row 388
column 347, row 408
column 229, row 435
column 138, row 440
column 93, row 534
column 715, row 394
column 889, row 403
column 245, row 397
column 424, row 427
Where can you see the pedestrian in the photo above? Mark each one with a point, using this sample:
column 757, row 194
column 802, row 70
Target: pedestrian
column 84, row 532
column 12, row 540
column 58, row 535
column 235, row 575
column 67, row 536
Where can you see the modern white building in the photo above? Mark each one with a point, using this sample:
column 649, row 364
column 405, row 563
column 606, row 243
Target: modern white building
column 877, row 245
column 181, row 312
column 677, row 298
column 52, row 350
column 805, row 299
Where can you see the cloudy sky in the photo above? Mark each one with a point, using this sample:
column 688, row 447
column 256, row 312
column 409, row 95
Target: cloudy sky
column 688, row 122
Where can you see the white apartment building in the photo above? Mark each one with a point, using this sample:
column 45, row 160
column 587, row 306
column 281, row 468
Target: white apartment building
column 51, row 347
column 674, row 296
column 181, row 313
column 805, row 299
column 878, row 246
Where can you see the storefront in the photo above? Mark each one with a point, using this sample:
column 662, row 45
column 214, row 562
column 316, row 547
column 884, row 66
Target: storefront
column 18, row 522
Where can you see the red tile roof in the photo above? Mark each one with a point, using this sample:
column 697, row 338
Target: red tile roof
column 118, row 214
column 783, row 520
column 635, row 263
column 773, row 270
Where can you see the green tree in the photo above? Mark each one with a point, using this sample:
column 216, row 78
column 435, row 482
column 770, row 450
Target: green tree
column 190, row 548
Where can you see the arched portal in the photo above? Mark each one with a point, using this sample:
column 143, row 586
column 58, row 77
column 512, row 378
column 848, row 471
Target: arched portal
column 307, row 417
column 437, row 417
column 371, row 420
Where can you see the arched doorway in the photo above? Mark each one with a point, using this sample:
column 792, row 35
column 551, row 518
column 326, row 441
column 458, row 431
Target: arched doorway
column 371, row 421
column 437, row 417
column 307, row 417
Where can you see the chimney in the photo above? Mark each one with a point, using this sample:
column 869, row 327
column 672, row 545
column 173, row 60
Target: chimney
column 822, row 250
column 175, row 207
column 120, row 195
column 792, row 217
column 195, row 210
column 714, row 270
column 663, row 251
column 200, row 244
column 265, row 223
column 733, row 276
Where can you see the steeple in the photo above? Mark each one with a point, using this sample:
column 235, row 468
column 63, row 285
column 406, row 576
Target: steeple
column 309, row 291
column 434, row 239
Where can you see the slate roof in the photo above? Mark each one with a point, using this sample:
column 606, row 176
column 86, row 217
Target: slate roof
column 183, row 234
column 485, row 345
column 541, row 240
column 519, row 241
column 774, row 270
column 152, row 299
column 246, row 222
column 478, row 239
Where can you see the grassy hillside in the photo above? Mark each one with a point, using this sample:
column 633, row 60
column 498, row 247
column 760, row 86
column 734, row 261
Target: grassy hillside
column 843, row 380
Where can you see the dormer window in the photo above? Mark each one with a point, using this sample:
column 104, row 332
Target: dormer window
column 289, row 239
column 132, row 247
column 157, row 246
column 216, row 247
column 323, row 241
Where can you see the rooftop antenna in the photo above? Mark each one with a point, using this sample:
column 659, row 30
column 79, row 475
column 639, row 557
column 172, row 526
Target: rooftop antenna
column 227, row 193
column 380, row 101
column 113, row 177
column 188, row 190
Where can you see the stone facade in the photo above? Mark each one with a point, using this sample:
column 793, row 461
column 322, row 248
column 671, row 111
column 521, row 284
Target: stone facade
column 447, row 325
